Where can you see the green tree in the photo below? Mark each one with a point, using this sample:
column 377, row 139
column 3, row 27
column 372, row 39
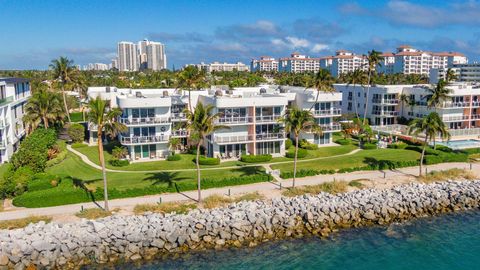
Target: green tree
column 174, row 143
column 64, row 71
column 191, row 78
column 353, row 78
column 450, row 75
column 374, row 59
column 76, row 132
column 44, row 107
column 200, row 123
column 297, row 121
column 404, row 99
column 438, row 94
column 105, row 118
column 430, row 126
column 322, row 82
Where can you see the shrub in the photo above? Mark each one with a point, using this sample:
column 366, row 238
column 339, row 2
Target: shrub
column 306, row 145
column 256, row 158
column 288, row 144
column 119, row 152
column 33, row 151
column 398, row 145
column 369, row 146
column 305, row 173
column 15, row 181
column 203, row 160
column 119, row 162
column 76, row 132
column 79, row 145
column 301, row 153
column 343, row 141
column 174, row 157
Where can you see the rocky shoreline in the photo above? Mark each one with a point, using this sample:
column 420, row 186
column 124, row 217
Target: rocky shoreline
column 133, row 238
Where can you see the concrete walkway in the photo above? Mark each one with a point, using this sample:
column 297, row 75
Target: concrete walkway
column 273, row 187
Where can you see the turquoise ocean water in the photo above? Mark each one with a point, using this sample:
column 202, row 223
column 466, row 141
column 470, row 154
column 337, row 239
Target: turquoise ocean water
column 449, row 241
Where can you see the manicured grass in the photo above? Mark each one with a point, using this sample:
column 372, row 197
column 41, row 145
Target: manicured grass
column 76, row 117
column 358, row 159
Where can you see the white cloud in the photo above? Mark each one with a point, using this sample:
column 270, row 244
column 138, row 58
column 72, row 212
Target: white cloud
column 298, row 42
column 319, row 47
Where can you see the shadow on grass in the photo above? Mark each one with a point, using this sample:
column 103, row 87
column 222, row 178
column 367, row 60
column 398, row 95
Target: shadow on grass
column 246, row 171
column 168, row 178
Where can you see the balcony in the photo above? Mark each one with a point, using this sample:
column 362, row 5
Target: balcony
column 233, row 139
column 144, row 121
column 385, row 113
column 180, row 133
column 235, row 120
column 143, row 139
column 270, row 136
column 460, row 118
column 463, row 104
column 385, row 101
column 267, row 118
column 331, row 112
column 3, row 124
column 176, row 117
column 331, row 127
column 3, row 145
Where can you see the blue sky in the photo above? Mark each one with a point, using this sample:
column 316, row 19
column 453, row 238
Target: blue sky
column 34, row 32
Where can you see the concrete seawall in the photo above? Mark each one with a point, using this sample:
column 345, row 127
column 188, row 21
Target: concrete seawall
column 131, row 238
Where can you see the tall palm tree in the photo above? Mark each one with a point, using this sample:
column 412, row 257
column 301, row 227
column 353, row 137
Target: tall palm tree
column 353, row 78
column 44, row 107
column 64, row 71
column 438, row 94
column 374, row 59
column 296, row 121
column 200, row 123
column 191, row 78
column 403, row 100
column 105, row 118
column 431, row 126
column 322, row 82
column 450, row 75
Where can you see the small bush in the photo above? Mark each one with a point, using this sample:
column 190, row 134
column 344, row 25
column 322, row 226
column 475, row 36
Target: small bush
column 118, row 162
column 208, row 160
column 329, row 187
column 288, row 144
column 369, row 146
column 343, row 141
column 256, row 158
column 33, row 151
column 301, row 153
column 14, row 182
column 119, row 152
column 93, row 213
column 166, row 208
column 306, row 145
column 398, row 145
column 21, row 223
column 79, row 145
column 76, row 132
column 174, row 157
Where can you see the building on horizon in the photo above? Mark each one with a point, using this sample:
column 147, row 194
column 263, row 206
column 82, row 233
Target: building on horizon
column 463, row 73
column 14, row 94
column 155, row 56
column 217, row 66
column 298, row 63
column 343, row 62
column 127, row 56
column 96, row 66
column 265, row 63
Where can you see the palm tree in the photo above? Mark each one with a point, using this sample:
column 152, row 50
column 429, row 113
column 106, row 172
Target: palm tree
column 322, row 82
column 44, row 107
column 438, row 94
column 200, row 123
column 105, row 119
column 374, row 59
column 174, row 143
column 450, row 75
column 353, row 78
column 64, row 71
column 191, row 78
column 297, row 121
column 431, row 126
column 404, row 100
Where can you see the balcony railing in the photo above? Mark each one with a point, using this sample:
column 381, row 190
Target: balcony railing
column 385, row 113
column 180, row 133
column 144, row 120
column 178, row 117
column 234, row 120
column 233, row 138
column 3, row 124
column 460, row 118
column 143, row 139
column 3, row 145
column 463, row 104
column 385, row 101
column 269, row 136
column 331, row 127
column 331, row 112
column 267, row 118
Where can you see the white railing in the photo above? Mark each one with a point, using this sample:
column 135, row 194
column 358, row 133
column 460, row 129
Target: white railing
column 269, row 136
column 234, row 120
column 333, row 111
column 3, row 123
column 144, row 120
column 331, row 127
column 180, row 133
column 463, row 104
column 385, row 101
column 464, row 132
column 385, row 113
column 460, row 118
column 143, row 139
column 267, row 118
column 233, row 139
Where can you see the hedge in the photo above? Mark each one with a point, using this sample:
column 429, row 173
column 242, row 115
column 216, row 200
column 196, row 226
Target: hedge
column 343, row 141
column 118, row 162
column 301, row 153
column 369, row 146
column 174, row 157
column 256, row 158
column 304, row 173
column 306, row 145
column 67, row 193
column 203, row 160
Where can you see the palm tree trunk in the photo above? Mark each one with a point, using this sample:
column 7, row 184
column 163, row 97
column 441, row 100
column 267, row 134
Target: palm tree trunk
column 295, row 161
column 198, row 173
column 190, row 100
column 355, row 104
column 65, row 103
column 104, row 171
column 45, row 123
column 423, row 155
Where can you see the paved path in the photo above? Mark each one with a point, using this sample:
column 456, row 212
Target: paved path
column 266, row 165
column 129, row 203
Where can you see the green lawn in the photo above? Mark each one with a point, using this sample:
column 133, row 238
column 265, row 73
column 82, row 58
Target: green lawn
column 359, row 159
column 76, row 117
column 76, row 168
column 187, row 160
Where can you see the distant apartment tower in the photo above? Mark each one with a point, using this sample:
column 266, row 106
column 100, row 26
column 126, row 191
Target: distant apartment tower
column 156, row 57
column 298, row 63
column 127, row 56
column 408, row 60
column 142, row 54
column 343, row 62
column 96, row 66
column 463, row 73
column 114, row 64
column 217, row 66
column 265, row 63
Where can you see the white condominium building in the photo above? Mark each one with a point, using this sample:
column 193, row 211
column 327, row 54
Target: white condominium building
column 127, row 56
column 96, row 66
column 298, row 63
column 156, row 57
column 460, row 111
column 14, row 93
column 153, row 116
column 265, row 63
column 343, row 62
column 463, row 73
column 217, row 66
